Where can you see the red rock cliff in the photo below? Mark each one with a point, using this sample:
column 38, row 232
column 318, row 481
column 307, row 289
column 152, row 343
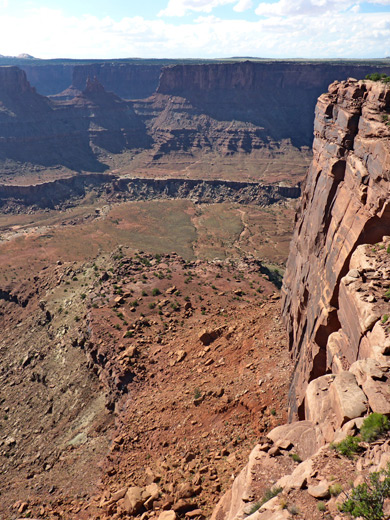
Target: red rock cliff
column 345, row 203
column 278, row 96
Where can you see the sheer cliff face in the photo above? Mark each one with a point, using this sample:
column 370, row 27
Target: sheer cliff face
column 345, row 203
column 126, row 80
column 36, row 130
column 279, row 97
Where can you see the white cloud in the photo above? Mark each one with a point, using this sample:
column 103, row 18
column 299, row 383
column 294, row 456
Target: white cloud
column 312, row 7
column 48, row 33
column 243, row 5
column 303, row 7
column 181, row 7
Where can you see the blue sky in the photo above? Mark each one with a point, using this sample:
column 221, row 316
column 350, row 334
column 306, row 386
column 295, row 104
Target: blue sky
column 195, row 28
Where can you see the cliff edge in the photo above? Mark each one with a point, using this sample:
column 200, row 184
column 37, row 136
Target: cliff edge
column 345, row 203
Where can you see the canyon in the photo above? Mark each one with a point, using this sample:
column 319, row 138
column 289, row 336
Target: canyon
column 175, row 118
column 146, row 370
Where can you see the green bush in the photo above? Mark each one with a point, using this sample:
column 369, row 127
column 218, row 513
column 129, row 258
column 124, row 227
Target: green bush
column 376, row 76
column 374, row 426
column 156, row 292
column 366, row 500
column 295, row 457
column 348, row 447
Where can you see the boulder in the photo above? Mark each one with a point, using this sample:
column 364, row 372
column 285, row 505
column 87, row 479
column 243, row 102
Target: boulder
column 318, row 406
column 347, row 399
column 298, row 478
column 133, row 500
column 167, row 515
column 320, row 490
column 305, row 436
column 374, row 378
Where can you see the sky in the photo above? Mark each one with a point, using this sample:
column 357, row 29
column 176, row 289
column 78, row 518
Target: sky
column 195, row 28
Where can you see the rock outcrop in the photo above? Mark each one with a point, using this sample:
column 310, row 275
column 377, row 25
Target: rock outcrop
column 65, row 191
column 332, row 320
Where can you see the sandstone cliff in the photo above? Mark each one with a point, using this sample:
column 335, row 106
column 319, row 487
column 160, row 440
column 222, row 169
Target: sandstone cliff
column 276, row 96
column 345, row 203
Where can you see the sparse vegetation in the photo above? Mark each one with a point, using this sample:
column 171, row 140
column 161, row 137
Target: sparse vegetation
column 256, row 506
column 295, row 457
column 374, row 426
column 197, row 393
column 367, row 500
column 156, row 291
column 335, row 489
column 270, row 493
column 321, row 506
column 377, row 76
column 349, row 447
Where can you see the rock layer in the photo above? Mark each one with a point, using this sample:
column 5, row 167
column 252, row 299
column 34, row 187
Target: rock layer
column 53, row 194
column 345, row 203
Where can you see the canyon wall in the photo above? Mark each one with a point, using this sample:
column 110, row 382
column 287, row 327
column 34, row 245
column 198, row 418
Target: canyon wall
column 127, row 80
column 222, row 108
column 277, row 96
column 35, row 130
column 49, row 79
column 345, row 203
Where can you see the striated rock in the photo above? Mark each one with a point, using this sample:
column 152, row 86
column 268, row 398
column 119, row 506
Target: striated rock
column 345, row 204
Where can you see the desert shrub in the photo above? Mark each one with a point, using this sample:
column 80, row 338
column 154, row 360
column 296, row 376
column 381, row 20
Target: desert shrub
column 321, row 506
column 348, row 447
column 293, row 510
column 385, row 318
column 156, row 291
column 374, row 426
column 295, row 457
column 376, row 76
column 254, row 508
column 270, row 493
column 335, row 489
column 366, row 500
